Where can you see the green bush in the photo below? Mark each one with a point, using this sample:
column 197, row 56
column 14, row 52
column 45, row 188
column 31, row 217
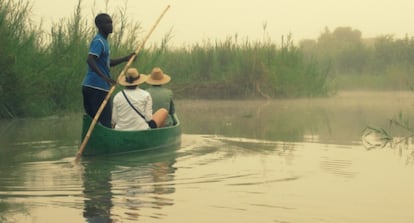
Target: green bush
column 41, row 73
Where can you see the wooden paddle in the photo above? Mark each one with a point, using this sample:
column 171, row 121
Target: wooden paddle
column 112, row 89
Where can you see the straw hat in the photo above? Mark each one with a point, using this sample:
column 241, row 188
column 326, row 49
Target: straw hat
column 157, row 77
column 132, row 78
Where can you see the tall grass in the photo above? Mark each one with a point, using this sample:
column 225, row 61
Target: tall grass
column 244, row 69
column 41, row 72
column 20, row 59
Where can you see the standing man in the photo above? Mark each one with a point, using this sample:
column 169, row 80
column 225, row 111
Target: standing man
column 98, row 81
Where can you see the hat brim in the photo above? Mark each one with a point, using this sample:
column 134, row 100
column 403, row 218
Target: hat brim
column 140, row 80
column 165, row 79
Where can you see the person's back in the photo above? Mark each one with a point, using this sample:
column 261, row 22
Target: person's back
column 161, row 97
column 125, row 117
column 132, row 108
column 123, row 114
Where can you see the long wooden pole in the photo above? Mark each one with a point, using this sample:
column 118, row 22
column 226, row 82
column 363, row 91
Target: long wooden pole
column 112, row 89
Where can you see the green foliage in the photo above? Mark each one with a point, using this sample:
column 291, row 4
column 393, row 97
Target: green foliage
column 67, row 53
column 41, row 73
column 19, row 49
column 243, row 69
column 379, row 63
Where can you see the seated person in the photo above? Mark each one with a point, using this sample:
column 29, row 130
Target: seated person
column 161, row 97
column 132, row 107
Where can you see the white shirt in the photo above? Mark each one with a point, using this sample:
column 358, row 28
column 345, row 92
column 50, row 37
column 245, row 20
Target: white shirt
column 125, row 117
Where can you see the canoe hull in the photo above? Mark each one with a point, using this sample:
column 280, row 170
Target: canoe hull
column 109, row 141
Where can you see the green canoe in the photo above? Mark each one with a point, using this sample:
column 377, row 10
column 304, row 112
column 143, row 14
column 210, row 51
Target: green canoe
column 104, row 140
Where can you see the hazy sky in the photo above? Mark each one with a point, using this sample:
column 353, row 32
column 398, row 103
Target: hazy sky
column 197, row 20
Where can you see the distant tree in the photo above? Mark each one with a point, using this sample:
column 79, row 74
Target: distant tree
column 343, row 49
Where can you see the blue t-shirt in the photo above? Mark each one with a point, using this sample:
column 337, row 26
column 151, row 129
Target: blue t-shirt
column 100, row 48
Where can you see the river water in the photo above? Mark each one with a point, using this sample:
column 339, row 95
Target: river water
column 291, row 160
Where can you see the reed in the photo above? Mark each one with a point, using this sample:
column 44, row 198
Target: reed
column 20, row 55
column 41, row 72
column 398, row 133
column 45, row 77
column 236, row 68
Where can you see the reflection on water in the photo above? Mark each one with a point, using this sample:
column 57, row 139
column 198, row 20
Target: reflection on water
column 118, row 188
column 249, row 161
column 339, row 119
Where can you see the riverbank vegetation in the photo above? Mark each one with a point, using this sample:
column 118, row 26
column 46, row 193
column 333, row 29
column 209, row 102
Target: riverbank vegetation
column 41, row 71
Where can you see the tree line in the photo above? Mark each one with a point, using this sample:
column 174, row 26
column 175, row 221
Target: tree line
column 41, row 73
